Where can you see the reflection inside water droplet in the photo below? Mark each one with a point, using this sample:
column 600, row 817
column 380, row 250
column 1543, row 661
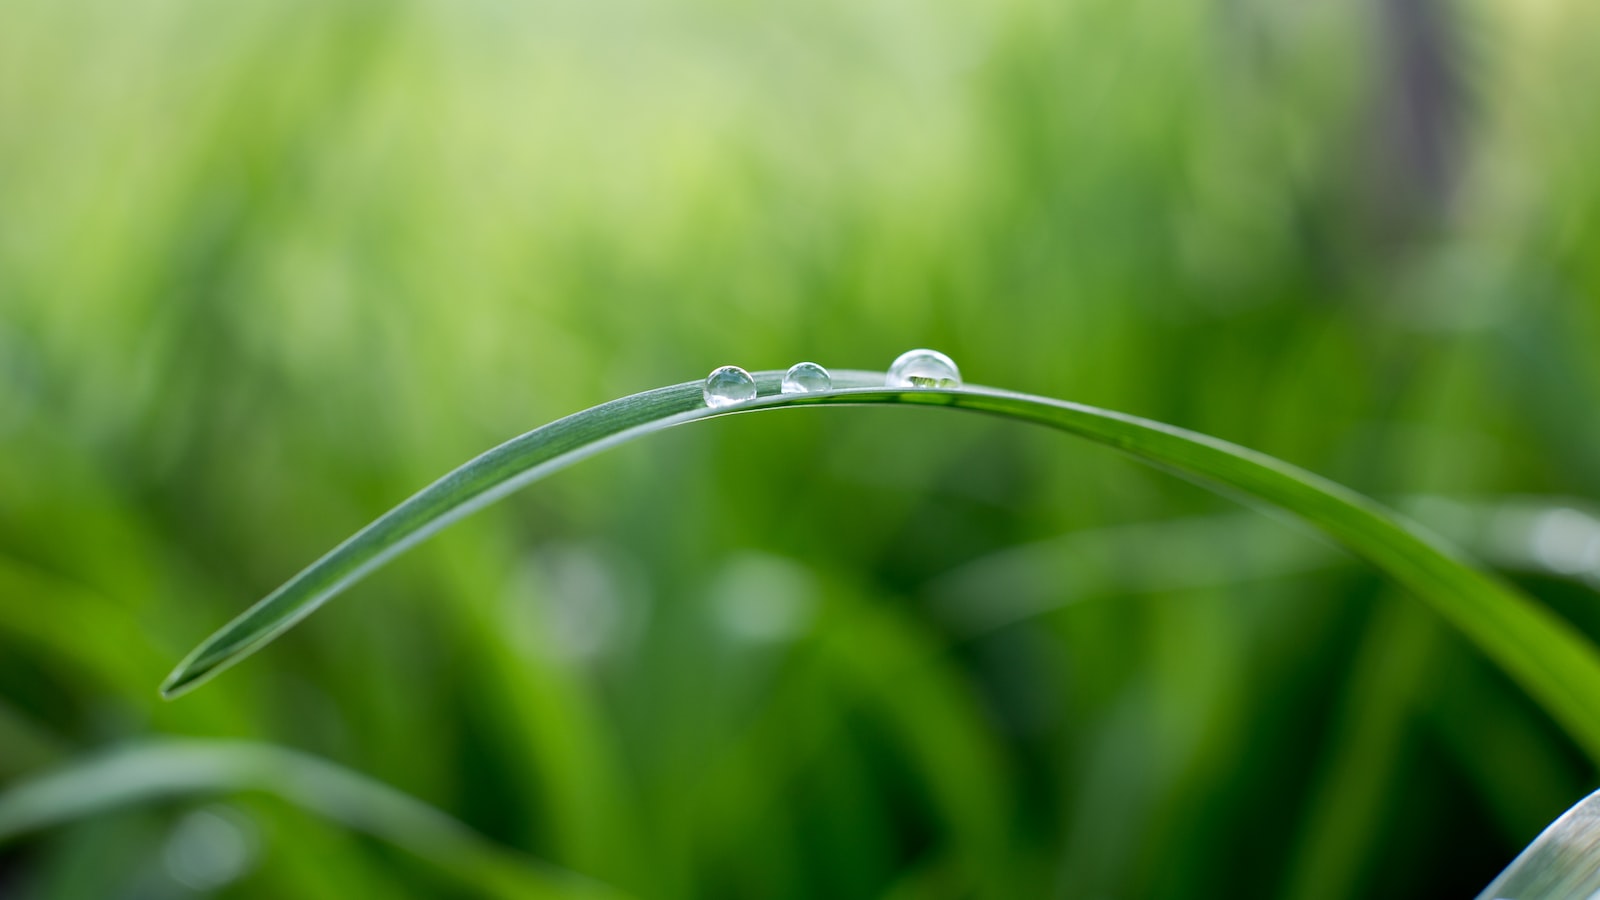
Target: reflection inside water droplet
column 923, row 369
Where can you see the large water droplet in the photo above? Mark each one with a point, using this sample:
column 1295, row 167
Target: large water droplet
column 924, row 369
column 806, row 378
column 727, row 386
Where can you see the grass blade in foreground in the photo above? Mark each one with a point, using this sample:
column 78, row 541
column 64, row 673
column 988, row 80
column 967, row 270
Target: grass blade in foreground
column 1549, row 658
column 1563, row 861
column 158, row 770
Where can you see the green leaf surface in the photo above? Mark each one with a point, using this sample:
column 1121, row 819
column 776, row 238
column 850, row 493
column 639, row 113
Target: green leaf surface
column 1549, row 658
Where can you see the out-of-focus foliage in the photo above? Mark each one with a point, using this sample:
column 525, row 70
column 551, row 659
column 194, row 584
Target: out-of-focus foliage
column 267, row 268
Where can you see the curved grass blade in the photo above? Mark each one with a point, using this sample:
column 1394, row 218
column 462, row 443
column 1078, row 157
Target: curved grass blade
column 1562, row 862
column 1023, row 581
column 1550, row 659
column 162, row 769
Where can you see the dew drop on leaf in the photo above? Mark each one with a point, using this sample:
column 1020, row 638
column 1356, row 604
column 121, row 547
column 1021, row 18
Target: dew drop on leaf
column 924, row 369
column 727, row 386
column 806, row 378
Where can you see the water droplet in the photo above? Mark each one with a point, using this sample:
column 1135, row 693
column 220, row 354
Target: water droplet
column 806, row 378
column 924, row 369
column 727, row 386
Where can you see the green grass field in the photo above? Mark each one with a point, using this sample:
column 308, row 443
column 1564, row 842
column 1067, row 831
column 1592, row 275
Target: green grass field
column 268, row 269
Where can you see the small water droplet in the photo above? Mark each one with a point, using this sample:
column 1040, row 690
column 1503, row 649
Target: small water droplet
column 924, row 369
column 806, row 378
column 727, row 386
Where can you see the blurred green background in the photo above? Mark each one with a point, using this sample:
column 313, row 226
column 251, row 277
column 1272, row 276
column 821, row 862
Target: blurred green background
column 267, row 268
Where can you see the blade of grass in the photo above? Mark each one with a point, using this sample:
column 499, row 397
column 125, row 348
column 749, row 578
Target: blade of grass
column 1364, row 756
column 1028, row 580
column 1549, row 658
column 1023, row 581
column 1562, row 862
column 163, row 769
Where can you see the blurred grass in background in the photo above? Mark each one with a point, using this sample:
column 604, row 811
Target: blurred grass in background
column 267, row 268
